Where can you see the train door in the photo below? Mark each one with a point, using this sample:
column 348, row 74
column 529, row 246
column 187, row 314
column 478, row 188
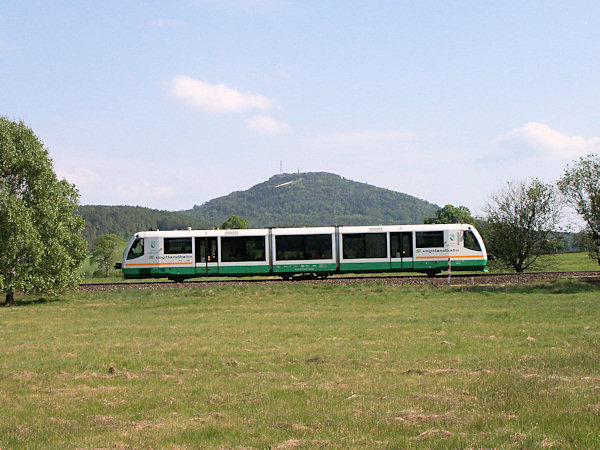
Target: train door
column 401, row 250
column 206, row 255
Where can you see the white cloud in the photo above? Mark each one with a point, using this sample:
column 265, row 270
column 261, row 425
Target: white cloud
column 216, row 98
column 539, row 139
column 267, row 125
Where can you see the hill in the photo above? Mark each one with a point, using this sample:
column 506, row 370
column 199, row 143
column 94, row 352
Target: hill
column 315, row 199
column 126, row 220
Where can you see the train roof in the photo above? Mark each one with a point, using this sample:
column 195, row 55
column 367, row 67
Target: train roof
column 303, row 230
column 201, row 233
column 420, row 227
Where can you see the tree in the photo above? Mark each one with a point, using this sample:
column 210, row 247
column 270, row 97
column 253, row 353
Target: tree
column 580, row 186
column 234, row 222
column 40, row 232
column 451, row 214
column 105, row 251
column 520, row 224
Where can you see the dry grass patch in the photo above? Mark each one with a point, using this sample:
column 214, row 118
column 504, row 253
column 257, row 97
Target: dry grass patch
column 433, row 433
column 412, row 416
column 297, row 443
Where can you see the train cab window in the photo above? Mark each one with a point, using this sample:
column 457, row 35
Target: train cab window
column 364, row 245
column 177, row 246
column 137, row 249
column 303, row 247
column 430, row 239
column 471, row 241
column 243, row 248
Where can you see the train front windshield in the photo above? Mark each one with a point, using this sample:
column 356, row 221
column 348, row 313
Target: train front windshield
column 137, row 248
column 471, row 241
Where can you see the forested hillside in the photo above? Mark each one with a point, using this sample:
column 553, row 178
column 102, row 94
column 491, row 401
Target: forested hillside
column 126, row 220
column 309, row 199
column 312, row 199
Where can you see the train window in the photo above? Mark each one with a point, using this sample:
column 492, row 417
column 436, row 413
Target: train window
column 303, row 247
column 430, row 239
column 471, row 241
column 375, row 245
column 177, row 246
column 365, row 245
column 289, row 247
column 242, row 248
column 317, row 246
column 137, row 249
column 354, row 246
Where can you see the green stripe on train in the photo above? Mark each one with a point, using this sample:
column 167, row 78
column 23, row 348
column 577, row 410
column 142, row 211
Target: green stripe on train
column 456, row 265
column 243, row 270
column 158, row 272
column 469, row 265
column 411, row 266
column 303, row 268
column 365, row 266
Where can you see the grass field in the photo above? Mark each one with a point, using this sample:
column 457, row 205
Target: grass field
column 303, row 365
column 572, row 262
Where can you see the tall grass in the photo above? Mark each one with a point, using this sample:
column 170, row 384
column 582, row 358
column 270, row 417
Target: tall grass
column 303, row 366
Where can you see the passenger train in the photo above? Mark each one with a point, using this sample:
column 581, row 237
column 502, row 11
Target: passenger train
column 315, row 251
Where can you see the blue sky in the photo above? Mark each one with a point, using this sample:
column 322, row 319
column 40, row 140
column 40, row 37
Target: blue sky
column 170, row 104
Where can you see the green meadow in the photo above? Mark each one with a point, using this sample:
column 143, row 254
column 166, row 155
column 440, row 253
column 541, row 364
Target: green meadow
column 572, row 262
column 303, row 366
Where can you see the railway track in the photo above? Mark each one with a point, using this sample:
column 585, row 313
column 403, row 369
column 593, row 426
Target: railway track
column 490, row 279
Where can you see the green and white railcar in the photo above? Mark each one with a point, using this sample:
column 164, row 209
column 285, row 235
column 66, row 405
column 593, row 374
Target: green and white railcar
column 414, row 248
column 322, row 251
column 303, row 250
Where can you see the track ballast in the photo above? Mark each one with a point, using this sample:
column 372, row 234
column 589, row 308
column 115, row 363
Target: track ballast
column 480, row 279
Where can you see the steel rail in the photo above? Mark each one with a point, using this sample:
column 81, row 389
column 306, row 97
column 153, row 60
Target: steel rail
column 439, row 280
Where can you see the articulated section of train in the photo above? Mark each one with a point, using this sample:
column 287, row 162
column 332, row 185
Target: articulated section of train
column 321, row 251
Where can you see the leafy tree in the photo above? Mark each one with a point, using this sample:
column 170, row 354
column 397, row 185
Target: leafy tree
column 234, row 222
column 105, row 251
column 451, row 214
column 580, row 186
column 520, row 224
column 40, row 233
